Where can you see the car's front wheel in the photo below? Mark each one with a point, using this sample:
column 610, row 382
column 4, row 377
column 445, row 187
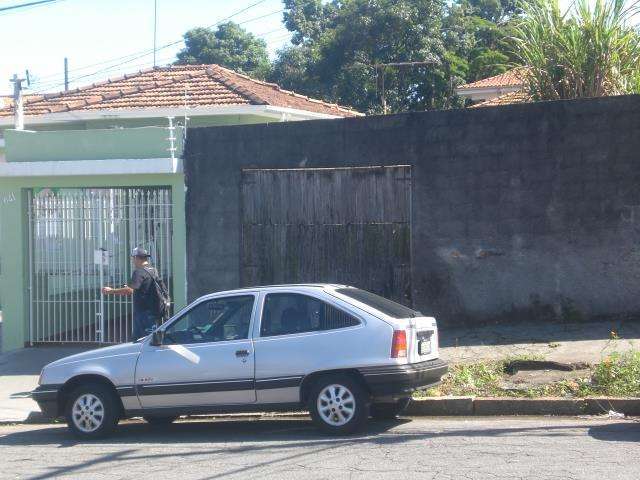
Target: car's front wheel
column 92, row 411
column 338, row 405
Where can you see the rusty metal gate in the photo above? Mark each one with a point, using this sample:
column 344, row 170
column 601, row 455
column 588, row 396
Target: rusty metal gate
column 336, row 225
column 79, row 241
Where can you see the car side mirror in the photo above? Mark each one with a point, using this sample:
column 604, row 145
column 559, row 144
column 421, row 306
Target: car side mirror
column 157, row 337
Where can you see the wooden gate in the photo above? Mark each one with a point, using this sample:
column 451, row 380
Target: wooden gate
column 330, row 225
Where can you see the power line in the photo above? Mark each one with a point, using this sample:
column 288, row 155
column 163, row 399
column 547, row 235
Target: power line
column 23, row 5
column 46, row 85
column 144, row 53
column 85, row 67
column 260, row 17
column 281, row 29
column 149, row 51
column 23, row 8
column 162, row 61
column 278, row 39
column 56, row 83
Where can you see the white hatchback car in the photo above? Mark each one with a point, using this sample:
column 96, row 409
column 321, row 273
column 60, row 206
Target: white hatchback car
column 342, row 353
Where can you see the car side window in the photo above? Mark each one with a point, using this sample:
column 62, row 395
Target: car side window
column 286, row 313
column 214, row 320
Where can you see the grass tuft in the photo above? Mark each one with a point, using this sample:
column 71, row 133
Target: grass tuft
column 618, row 375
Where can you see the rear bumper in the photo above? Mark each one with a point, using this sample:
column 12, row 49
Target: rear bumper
column 397, row 381
column 46, row 396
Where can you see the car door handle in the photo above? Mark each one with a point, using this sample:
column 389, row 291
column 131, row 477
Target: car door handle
column 242, row 353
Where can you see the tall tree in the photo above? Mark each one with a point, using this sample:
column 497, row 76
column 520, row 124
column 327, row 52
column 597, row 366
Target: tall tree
column 291, row 69
column 339, row 44
column 477, row 32
column 229, row 46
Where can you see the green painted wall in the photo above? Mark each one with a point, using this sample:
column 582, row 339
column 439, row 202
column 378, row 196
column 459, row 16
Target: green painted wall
column 144, row 142
column 14, row 241
column 113, row 138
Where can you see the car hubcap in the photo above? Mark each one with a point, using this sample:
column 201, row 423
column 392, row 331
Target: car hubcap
column 336, row 405
column 87, row 413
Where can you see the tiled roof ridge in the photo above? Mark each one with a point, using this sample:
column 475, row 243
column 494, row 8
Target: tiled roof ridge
column 277, row 88
column 120, row 93
column 73, row 91
column 221, row 75
column 119, row 89
column 138, row 89
column 108, row 81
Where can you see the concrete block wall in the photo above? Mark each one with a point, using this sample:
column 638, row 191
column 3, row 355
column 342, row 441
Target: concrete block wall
column 523, row 211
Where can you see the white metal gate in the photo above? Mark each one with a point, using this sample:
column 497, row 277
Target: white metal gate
column 79, row 241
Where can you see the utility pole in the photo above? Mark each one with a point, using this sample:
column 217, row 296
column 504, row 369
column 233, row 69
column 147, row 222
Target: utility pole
column 381, row 69
column 155, row 29
column 18, row 108
column 66, row 74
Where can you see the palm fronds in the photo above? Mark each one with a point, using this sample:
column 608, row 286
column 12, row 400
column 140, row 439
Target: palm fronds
column 590, row 50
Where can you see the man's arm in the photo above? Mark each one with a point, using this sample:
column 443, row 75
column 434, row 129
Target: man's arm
column 126, row 290
column 129, row 288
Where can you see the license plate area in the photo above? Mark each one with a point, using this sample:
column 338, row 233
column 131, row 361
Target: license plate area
column 424, row 342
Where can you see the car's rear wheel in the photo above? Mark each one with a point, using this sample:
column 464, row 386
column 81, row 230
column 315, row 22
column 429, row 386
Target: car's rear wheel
column 159, row 421
column 92, row 411
column 389, row 411
column 338, row 405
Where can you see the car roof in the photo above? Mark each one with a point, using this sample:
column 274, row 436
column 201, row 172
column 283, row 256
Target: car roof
column 319, row 286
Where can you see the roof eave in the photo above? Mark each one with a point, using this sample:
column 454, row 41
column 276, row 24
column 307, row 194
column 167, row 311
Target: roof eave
column 469, row 91
column 288, row 113
column 269, row 111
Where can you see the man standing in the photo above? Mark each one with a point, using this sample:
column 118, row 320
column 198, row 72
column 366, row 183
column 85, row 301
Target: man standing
column 142, row 287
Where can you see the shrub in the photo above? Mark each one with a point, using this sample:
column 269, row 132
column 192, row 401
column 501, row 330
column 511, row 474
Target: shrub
column 618, row 375
column 589, row 50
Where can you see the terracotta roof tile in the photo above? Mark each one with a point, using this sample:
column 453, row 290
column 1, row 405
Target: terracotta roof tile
column 506, row 99
column 173, row 86
column 510, row 78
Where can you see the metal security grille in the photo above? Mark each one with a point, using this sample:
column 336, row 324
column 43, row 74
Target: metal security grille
column 79, row 241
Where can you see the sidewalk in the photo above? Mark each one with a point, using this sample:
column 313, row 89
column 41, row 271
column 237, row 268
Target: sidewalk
column 19, row 372
column 585, row 342
column 572, row 342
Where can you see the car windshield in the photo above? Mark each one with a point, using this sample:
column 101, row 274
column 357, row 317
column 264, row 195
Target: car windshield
column 388, row 307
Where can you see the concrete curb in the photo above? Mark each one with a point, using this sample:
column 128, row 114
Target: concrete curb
column 467, row 406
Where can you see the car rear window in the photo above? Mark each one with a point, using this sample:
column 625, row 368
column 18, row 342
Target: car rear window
column 384, row 305
column 287, row 313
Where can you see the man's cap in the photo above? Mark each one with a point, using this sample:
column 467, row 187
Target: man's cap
column 139, row 252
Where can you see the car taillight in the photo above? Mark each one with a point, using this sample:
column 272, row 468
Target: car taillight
column 399, row 344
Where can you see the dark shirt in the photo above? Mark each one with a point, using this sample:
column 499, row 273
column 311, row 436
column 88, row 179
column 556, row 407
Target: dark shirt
column 142, row 285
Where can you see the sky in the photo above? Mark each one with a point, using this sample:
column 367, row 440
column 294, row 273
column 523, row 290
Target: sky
column 107, row 38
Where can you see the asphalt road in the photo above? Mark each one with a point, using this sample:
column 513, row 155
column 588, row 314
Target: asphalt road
column 282, row 448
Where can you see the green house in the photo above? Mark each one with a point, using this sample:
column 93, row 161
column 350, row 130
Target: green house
column 97, row 171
